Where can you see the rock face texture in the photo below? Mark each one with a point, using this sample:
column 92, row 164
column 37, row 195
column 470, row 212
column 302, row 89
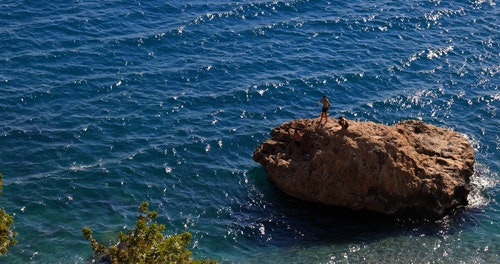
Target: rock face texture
column 409, row 167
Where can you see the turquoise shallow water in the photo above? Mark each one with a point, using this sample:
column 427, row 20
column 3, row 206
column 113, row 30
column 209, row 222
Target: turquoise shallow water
column 105, row 105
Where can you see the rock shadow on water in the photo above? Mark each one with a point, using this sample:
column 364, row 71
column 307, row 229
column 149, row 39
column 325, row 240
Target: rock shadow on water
column 343, row 225
column 291, row 222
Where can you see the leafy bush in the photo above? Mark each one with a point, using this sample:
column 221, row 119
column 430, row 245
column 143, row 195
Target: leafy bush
column 145, row 244
column 6, row 235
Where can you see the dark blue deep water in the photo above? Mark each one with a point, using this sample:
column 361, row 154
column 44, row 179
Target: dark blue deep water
column 105, row 104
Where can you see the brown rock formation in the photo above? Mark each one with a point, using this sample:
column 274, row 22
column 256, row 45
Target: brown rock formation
column 407, row 167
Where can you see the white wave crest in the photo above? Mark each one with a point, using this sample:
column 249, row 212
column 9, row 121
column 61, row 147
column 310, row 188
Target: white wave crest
column 482, row 180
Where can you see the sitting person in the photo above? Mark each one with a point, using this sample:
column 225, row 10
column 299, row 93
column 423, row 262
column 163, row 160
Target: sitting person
column 343, row 122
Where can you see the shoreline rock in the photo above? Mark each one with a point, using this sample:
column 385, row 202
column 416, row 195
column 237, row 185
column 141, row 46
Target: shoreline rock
column 407, row 167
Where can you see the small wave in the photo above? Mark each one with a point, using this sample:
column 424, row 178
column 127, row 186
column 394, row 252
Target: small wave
column 482, row 181
column 434, row 15
column 438, row 53
column 430, row 53
column 245, row 11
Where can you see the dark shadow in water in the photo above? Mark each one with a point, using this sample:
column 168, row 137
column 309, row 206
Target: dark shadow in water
column 288, row 220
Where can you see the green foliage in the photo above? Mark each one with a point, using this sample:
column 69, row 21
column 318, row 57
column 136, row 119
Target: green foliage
column 6, row 235
column 145, row 244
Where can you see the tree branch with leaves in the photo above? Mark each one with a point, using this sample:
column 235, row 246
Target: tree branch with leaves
column 145, row 244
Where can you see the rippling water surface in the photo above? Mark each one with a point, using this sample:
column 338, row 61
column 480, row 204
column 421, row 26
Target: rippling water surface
column 105, row 104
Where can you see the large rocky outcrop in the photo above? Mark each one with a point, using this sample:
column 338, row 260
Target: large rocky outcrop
column 408, row 167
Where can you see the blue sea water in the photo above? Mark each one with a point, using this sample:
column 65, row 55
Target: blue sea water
column 105, row 104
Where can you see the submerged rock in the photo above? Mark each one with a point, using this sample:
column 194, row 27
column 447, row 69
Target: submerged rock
column 407, row 167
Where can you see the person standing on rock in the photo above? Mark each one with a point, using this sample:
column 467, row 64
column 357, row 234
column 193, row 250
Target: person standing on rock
column 324, row 109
